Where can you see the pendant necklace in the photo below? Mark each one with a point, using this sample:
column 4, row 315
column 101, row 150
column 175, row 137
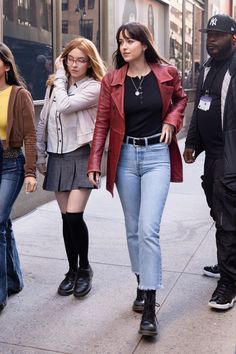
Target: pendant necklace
column 138, row 90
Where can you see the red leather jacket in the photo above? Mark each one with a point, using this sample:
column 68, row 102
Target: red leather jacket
column 110, row 117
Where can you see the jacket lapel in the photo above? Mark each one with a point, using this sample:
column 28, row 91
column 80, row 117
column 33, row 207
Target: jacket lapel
column 117, row 84
column 166, row 90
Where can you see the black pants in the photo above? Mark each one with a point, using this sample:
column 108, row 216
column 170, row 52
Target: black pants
column 222, row 203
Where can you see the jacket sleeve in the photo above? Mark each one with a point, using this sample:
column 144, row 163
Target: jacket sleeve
column 41, row 129
column 29, row 134
column 190, row 141
column 86, row 98
column 101, row 127
column 193, row 140
column 175, row 115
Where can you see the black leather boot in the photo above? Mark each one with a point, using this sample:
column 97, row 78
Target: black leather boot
column 83, row 282
column 138, row 304
column 67, row 285
column 148, row 325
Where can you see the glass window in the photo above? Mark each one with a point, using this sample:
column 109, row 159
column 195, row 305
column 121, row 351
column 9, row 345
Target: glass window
column 30, row 38
column 86, row 28
column 176, row 41
column 188, row 67
column 82, row 18
column 90, row 4
column 64, row 26
column 234, row 9
column 197, row 47
column 64, row 5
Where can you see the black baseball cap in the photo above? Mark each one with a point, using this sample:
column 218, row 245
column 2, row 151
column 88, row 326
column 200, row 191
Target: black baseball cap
column 220, row 23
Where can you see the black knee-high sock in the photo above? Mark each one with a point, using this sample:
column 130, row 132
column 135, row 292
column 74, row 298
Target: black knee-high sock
column 71, row 251
column 79, row 233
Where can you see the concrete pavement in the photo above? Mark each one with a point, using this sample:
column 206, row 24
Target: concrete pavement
column 38, row 321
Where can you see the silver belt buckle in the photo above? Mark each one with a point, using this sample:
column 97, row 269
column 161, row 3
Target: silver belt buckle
column 134, row 142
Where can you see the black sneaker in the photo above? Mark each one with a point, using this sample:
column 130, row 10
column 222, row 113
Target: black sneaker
column 212, row 271
column 224, row 296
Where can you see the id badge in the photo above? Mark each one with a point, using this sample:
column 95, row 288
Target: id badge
column 205, row 103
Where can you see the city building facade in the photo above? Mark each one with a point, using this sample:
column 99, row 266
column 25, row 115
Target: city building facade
column 37, row 30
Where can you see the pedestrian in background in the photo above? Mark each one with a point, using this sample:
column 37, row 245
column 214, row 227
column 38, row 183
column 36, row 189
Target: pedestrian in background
column 213, row 130
column 64, row 133
column 16, row 128
column 141, row 104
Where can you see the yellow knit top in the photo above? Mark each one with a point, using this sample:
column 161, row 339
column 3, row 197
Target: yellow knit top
column 4, row 100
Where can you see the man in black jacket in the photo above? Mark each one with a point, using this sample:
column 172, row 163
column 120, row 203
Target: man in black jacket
column 213, row 130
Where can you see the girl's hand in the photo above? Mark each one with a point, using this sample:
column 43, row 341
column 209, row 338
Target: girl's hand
column 59, row 63
column 94, row 178
column 30, row 184
column 167, row 133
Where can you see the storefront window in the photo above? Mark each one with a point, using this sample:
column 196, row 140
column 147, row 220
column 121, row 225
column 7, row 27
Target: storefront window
column 234, row 9
column 30, row 38
column 188, row 67
column 176, row 37
column 81, row 19
column 197, row 47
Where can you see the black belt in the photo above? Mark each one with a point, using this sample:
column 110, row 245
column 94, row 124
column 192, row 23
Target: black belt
column 142, row 141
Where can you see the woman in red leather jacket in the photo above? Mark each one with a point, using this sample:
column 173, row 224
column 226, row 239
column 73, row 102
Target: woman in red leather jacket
column 142, row 105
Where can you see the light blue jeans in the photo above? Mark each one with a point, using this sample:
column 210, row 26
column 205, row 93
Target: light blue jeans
column 11, row 180
column 143, row 179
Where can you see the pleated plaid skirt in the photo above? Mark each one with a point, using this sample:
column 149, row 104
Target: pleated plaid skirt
column 66, row 172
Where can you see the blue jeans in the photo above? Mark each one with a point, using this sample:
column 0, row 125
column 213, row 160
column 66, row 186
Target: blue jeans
column 11, row 180
column 143, row 179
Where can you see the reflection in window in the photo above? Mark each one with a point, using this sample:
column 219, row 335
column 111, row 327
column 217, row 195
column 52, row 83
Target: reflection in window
column 197, row 44
column 188, row 71
column 90, row 4
column 81, row 18
column 176, row 44
column 64, row 5
column 64, row 26
column 130, row 11
column 32, row 48
column 86, row 28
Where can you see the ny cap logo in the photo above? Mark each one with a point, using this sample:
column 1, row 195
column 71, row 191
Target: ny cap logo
column 213, row 21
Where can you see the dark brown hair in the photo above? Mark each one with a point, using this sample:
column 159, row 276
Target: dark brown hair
column 140, row 33
column 12, row 77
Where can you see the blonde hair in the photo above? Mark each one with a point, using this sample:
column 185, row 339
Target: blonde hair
column 97, row 68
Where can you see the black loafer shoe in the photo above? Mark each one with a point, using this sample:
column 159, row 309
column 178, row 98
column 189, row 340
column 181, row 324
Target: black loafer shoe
column 83, row 282
column 67, row 285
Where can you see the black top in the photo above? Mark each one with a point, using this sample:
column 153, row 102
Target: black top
column 209, row 122
column 142, row 112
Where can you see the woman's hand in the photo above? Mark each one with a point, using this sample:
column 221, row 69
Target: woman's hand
column 59, row 63
column 94, row 178
column 167, row 133
column 30, row 184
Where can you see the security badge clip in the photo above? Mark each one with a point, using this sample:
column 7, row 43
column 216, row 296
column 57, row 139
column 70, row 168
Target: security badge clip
column 205, row 102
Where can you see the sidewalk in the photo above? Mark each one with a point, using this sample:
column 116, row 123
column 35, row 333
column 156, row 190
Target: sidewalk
column 38, row 321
